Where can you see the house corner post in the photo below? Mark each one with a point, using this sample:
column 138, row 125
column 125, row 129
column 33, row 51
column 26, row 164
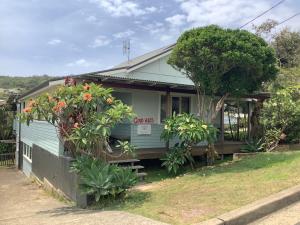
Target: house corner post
column 222, row 129
column 249, row 120
column 168, row 111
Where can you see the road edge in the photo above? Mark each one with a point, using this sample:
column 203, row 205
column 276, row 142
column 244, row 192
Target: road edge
column 257, row 209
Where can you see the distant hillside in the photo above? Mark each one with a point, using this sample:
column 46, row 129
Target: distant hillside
column 19, row 85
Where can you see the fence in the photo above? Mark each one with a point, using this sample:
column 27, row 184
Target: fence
column 7, row 159
column 7, row 152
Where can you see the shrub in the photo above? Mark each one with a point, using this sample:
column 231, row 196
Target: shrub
column 84, row 115
column 101, row 179
column 6, row 148
column 253, row 146
column 190, row 130
column 176, row 157
column 279, row 114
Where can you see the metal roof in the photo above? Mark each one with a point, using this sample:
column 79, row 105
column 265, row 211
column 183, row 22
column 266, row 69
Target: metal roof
column 124, row 71
column 143, row 58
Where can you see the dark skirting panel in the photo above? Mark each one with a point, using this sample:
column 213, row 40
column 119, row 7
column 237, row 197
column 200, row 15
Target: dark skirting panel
column 56, row 169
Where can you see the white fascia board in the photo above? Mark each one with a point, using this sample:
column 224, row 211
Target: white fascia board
column 57, row 82
column 51, row 85
column 148, row 62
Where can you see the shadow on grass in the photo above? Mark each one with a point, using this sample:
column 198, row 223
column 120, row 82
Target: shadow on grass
column 132, row 200
column 260, row 161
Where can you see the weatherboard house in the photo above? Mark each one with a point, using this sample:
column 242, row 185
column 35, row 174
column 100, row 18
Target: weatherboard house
column 154, row 89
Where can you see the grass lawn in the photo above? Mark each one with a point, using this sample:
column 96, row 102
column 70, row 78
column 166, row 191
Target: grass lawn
column 211, row 191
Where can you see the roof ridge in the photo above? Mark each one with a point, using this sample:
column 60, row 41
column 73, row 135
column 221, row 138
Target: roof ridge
column 159, row 50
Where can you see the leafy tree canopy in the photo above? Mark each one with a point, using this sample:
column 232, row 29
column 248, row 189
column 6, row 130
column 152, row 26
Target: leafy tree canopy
column 287, row 47
column 224, row 61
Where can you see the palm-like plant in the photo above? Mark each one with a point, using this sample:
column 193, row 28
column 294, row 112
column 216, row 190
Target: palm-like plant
column 102, row 180
column 253, row 146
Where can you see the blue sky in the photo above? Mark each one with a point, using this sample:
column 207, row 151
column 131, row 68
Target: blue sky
column 61, row 37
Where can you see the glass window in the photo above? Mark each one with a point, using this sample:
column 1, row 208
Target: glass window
column 175, row 105
column 163, row 108
column 125, row 97
column 27, row 151
column 24, row 149
column 185, row 105
column 179, row 105
column 30, row 152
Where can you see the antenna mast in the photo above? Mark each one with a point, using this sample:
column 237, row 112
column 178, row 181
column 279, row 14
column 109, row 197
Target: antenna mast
column 126, row 49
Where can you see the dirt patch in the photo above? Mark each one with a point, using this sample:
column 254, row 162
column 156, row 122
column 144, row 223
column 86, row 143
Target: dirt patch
column 147, row 187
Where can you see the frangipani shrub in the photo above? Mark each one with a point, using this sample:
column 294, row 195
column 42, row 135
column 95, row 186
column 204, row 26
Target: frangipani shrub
column 84, row 115
column 190, row 130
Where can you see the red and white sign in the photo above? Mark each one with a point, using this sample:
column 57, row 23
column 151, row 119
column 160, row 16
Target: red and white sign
column 143, row 120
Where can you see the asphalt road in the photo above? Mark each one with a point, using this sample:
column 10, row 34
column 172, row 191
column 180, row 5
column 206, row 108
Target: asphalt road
column 287, row 216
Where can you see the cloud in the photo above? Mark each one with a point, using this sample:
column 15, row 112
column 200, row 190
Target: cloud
column 100, row 41
column 154, row 28
column 91, row 19
column 221, row 12
column 124, row 34
column 54, row 42
column 166, row 38
column 83, row 63
column 151, row 9
column 176, row 20
column 120, row 8
column 80, row 63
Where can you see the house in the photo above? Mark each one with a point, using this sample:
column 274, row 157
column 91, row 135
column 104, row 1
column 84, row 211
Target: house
column 155, row 90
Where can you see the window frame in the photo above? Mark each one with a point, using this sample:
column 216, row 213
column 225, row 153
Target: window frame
column 171, row 105
column 27, row 152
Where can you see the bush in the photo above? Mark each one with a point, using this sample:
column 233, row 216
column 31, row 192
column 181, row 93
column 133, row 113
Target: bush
column 253, row 146
column 84, row 115
column 190, row 130
column 6, row 148
column 279, row 115
column 177, row 157
column 101, row 179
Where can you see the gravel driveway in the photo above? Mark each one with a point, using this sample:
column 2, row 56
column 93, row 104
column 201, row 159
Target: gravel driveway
column 23, row 202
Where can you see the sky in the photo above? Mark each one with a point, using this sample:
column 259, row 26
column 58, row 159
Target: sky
column 63, row 37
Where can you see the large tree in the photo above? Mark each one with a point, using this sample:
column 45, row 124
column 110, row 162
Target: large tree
column 285, row 42
column 222, row 62
column 287, row 47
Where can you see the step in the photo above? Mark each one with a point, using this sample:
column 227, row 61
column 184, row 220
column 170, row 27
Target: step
column 138, row 167
column 124, row 161
column 141, row 175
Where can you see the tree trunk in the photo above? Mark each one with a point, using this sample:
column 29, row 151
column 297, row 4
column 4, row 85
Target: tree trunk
column 256, row 131
column 230, row 127
column 218, row 107
column 238, row 123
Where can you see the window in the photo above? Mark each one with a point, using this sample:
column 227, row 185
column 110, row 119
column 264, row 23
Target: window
column 179, row 105
column 163, row 108
column 185, row 105
column 27, row 151
column 175, row 105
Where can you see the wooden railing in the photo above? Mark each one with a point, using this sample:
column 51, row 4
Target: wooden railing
column 7, row 159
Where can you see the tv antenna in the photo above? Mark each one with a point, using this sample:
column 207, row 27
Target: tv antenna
column 126, row 48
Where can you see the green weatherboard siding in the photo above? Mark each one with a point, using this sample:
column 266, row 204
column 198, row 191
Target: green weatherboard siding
column 42, row 134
